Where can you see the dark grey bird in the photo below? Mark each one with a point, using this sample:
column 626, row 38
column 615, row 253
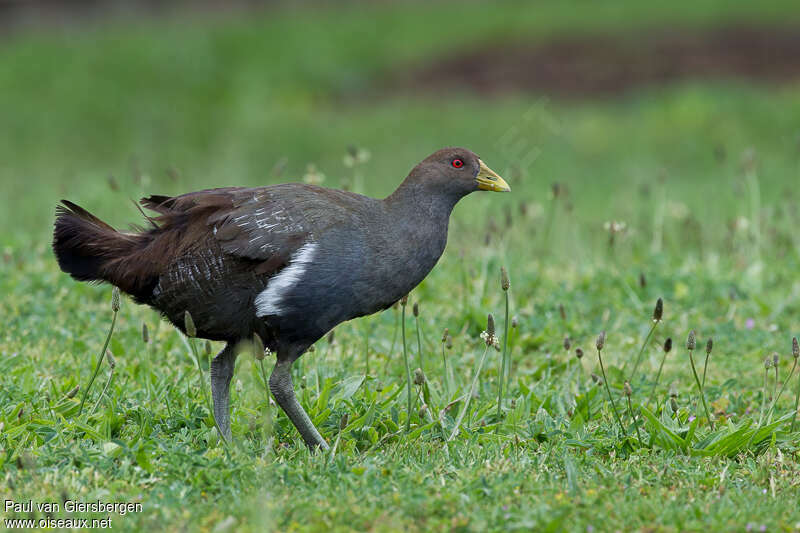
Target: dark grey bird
column 286, row 262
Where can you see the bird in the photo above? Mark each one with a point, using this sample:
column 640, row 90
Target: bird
column 285, row 262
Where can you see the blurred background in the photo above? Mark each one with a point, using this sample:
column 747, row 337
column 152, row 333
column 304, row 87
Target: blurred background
column 653, row 150
column 610, row 106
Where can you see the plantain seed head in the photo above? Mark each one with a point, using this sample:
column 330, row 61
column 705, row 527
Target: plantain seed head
column 601, row 340
column 115, row 299
column 658, row 312
column 188, row 324
column 258, row 347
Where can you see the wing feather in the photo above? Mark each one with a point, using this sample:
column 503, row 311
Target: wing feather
column 266, row 224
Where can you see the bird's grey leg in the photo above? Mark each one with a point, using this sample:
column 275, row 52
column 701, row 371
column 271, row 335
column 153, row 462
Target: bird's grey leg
column 221, row 373
column 280, row 383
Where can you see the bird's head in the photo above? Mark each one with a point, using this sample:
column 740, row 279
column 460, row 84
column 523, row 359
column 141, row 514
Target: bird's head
column 459, row 171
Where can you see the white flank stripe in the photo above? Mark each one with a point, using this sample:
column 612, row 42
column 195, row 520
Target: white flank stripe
column 268, row 302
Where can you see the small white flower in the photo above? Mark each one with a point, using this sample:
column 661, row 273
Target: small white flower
column 490, row 340
column 615, row 226
column 678, row 210
column 355, row 156
column 313, row 176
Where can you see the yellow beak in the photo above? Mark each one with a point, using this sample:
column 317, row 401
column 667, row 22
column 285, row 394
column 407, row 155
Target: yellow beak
column 488, row 180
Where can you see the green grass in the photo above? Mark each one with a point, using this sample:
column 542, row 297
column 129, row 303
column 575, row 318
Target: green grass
column 170, row 106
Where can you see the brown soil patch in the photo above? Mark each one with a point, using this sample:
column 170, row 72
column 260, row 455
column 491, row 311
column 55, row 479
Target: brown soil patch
column 610, row 64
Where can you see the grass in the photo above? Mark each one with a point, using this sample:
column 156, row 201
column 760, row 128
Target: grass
column 703, row 176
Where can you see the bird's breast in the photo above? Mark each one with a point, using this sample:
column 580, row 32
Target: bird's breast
column 349, row 273
column 401, row 261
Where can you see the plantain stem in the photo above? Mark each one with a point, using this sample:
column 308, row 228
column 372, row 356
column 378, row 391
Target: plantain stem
column 608, row 390
column 503, row 363
column 641, row 351
column 100, row 361
column 700, row 388
column 410, row 399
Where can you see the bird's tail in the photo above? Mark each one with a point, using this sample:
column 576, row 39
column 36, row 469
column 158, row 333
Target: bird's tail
column 88, row 249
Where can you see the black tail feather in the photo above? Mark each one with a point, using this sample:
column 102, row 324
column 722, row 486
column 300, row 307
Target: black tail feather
column 86, row 247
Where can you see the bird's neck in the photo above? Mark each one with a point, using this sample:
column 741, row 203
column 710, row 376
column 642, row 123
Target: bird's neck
column 414, row 197
column 417, row 221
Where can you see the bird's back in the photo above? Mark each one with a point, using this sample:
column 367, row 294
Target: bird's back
column 220, row 250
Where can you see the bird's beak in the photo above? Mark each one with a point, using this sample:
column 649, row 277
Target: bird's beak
column 488, row 180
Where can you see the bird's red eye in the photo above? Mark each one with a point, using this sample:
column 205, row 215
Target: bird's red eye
column 458, row 163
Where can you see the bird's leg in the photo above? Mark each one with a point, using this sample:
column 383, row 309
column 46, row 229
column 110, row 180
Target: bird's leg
column 221, row 374
column 280, row 383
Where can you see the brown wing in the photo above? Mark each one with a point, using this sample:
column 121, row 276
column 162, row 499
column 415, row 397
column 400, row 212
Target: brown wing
column 212, row 252
column 266, row 225
column 246, row 223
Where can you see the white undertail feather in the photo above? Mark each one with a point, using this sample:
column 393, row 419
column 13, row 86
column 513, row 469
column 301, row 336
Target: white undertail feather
column 269, row 301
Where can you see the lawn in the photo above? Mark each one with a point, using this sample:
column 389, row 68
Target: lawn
column 685, row 192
